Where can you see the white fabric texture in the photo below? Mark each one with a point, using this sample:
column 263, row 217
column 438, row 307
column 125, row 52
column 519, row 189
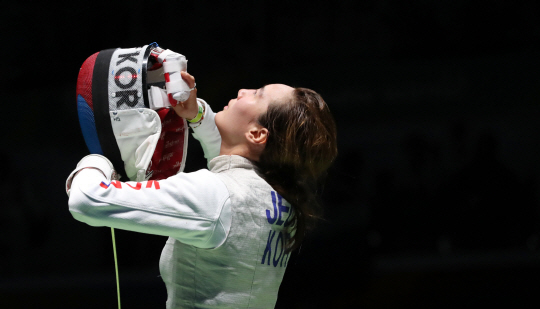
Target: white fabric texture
column 164, row 54
column 247, row 269
column 207, row 133
column 137, row 132
column 157, row 98
column 193, row 208
column 174, row 63
column 92, row 161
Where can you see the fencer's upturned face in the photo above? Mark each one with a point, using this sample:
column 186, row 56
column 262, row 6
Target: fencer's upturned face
column 241, row 113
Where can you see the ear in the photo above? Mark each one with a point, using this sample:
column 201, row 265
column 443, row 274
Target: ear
column 257, row 135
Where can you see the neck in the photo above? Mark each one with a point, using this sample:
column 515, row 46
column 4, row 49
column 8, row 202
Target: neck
column 238, row 150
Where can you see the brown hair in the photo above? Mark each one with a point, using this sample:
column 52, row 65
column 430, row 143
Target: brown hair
column 301, row 146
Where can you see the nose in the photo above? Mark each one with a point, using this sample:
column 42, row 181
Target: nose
column 241, row 93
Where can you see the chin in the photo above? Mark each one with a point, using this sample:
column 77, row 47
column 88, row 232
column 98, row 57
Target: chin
column 217, row 119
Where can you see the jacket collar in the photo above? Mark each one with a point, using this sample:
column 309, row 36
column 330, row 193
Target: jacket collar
column 223, row 163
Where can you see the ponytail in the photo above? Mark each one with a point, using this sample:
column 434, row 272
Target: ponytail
column 301, row 146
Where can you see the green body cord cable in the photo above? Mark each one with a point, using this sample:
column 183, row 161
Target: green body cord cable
column 116, row 267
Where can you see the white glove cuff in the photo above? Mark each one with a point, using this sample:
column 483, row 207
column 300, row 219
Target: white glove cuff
column 94, row 161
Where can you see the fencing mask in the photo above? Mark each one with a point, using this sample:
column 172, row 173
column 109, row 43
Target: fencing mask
column 116, row 89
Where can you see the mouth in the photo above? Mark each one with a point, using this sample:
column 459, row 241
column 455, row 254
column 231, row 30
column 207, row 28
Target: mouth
column 228, row 105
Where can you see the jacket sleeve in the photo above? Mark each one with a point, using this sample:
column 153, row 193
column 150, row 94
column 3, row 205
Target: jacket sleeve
column 207, row 133
column 193, row 208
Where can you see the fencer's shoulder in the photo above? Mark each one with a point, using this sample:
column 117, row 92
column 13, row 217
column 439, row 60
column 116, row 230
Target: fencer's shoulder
column 201, row 178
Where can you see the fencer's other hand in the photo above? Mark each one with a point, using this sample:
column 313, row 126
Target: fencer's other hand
column 189, row 108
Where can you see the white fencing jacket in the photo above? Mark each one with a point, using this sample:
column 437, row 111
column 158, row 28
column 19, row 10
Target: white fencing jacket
column 227, row 227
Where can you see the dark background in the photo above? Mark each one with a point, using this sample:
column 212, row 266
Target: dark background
column 432, row 202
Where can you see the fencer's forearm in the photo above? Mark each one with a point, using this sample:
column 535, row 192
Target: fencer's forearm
column 207, row 134
column 174, row 207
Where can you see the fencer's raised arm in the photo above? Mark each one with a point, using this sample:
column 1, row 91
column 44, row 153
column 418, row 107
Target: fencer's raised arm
column 193, row 208
column 207, row 133
column 201, row 119
column 198, row 114
column 196, row 111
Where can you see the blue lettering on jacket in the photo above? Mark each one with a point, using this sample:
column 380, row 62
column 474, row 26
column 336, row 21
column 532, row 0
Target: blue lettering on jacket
column 279, row 209
column 268, row 216
column 275, row 245
column 268, row 247
column 278, row 256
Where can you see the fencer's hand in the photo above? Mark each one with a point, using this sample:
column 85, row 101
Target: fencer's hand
column 189, row 108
